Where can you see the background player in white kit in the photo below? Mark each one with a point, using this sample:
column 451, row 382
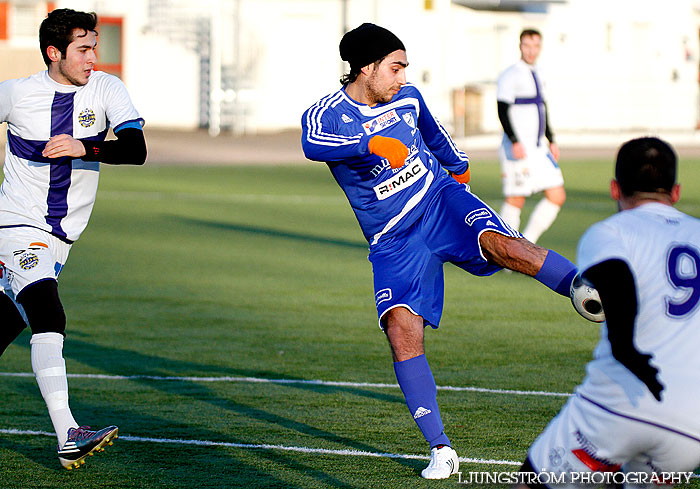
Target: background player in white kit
column 528, row 152
column 57, row 122
column 636, row 410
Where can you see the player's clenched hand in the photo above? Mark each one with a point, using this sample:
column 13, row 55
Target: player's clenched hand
column 518, row 151
column 390, row 148
column 554, row 149
column 639, row 365
column 63, row 145
column 462, row 177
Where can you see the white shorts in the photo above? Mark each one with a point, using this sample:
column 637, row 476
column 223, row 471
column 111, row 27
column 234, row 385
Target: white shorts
column 536, row 172
column 586, row 438
column 29, row 255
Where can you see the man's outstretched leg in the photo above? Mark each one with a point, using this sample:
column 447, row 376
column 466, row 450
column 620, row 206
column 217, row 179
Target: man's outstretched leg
column 520, row 255
column 405, row 333
column 48, row 321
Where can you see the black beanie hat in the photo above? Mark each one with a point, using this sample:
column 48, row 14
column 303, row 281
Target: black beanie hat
column 367, row 44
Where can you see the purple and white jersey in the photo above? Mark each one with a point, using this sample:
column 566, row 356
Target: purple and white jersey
column 661, row 246
column 520, row 86
column 337, row 130
column 56, row 194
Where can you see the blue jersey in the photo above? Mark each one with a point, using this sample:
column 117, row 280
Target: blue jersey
column 337, row 130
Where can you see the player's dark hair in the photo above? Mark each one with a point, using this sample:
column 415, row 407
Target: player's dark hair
column 354, row 73
column 645, row 165
column 57, row 29
column 529, row 32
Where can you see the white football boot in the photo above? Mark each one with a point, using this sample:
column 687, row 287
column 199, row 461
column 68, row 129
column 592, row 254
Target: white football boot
column 443, row 463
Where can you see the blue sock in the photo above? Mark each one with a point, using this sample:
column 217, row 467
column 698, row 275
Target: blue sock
column 557, row 273
column 418, row 386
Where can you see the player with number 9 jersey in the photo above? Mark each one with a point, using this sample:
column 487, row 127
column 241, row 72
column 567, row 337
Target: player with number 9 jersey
column 661, row 246
column 635, row 413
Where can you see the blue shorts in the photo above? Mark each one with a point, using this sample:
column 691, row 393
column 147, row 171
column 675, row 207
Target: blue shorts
column 408, row 267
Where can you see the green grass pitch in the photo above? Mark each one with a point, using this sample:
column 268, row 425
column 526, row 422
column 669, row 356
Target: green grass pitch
column 262, row 272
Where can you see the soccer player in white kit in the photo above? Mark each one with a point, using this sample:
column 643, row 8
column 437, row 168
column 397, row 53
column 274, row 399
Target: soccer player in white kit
column 635, row 416
column 57, row 123
column 528, row 152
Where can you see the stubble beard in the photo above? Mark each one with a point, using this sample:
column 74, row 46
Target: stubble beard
column 69, row 77
column 376, row 95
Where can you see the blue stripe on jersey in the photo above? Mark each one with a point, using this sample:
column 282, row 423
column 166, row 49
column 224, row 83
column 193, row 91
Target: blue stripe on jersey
column 136, row 124
column 540, row 108
column 86, row 165
column 30, row 149
column 61, row 168
column 537, row 100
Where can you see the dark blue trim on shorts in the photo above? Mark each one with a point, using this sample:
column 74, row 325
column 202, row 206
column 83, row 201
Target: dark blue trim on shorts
column 552, row 160
column 639, row 420
column 20, row 293
column 64, row 239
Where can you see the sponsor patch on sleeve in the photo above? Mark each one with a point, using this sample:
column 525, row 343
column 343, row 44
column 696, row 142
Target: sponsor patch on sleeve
column 475, row 215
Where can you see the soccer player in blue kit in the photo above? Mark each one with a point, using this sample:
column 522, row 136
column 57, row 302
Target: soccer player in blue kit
column 57, row 123
column 407, row 184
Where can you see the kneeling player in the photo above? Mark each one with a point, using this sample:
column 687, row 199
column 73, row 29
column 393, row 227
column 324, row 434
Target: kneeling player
column 635, row 412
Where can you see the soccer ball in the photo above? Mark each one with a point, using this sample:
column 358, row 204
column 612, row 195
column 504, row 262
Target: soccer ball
column 586, row 300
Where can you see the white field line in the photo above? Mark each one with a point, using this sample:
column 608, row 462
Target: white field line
column 264, row 446
column 293, row 382
column 213, row 197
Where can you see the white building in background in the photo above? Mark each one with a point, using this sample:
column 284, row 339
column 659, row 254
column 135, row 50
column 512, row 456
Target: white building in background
column 255, row 65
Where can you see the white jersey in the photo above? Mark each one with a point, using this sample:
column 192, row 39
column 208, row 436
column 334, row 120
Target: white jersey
column 521, row 87
column 661, row 246
column 56, row 194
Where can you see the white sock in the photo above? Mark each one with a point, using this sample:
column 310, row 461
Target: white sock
column 50, row 371
column 543, row 215
column 511, row 215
